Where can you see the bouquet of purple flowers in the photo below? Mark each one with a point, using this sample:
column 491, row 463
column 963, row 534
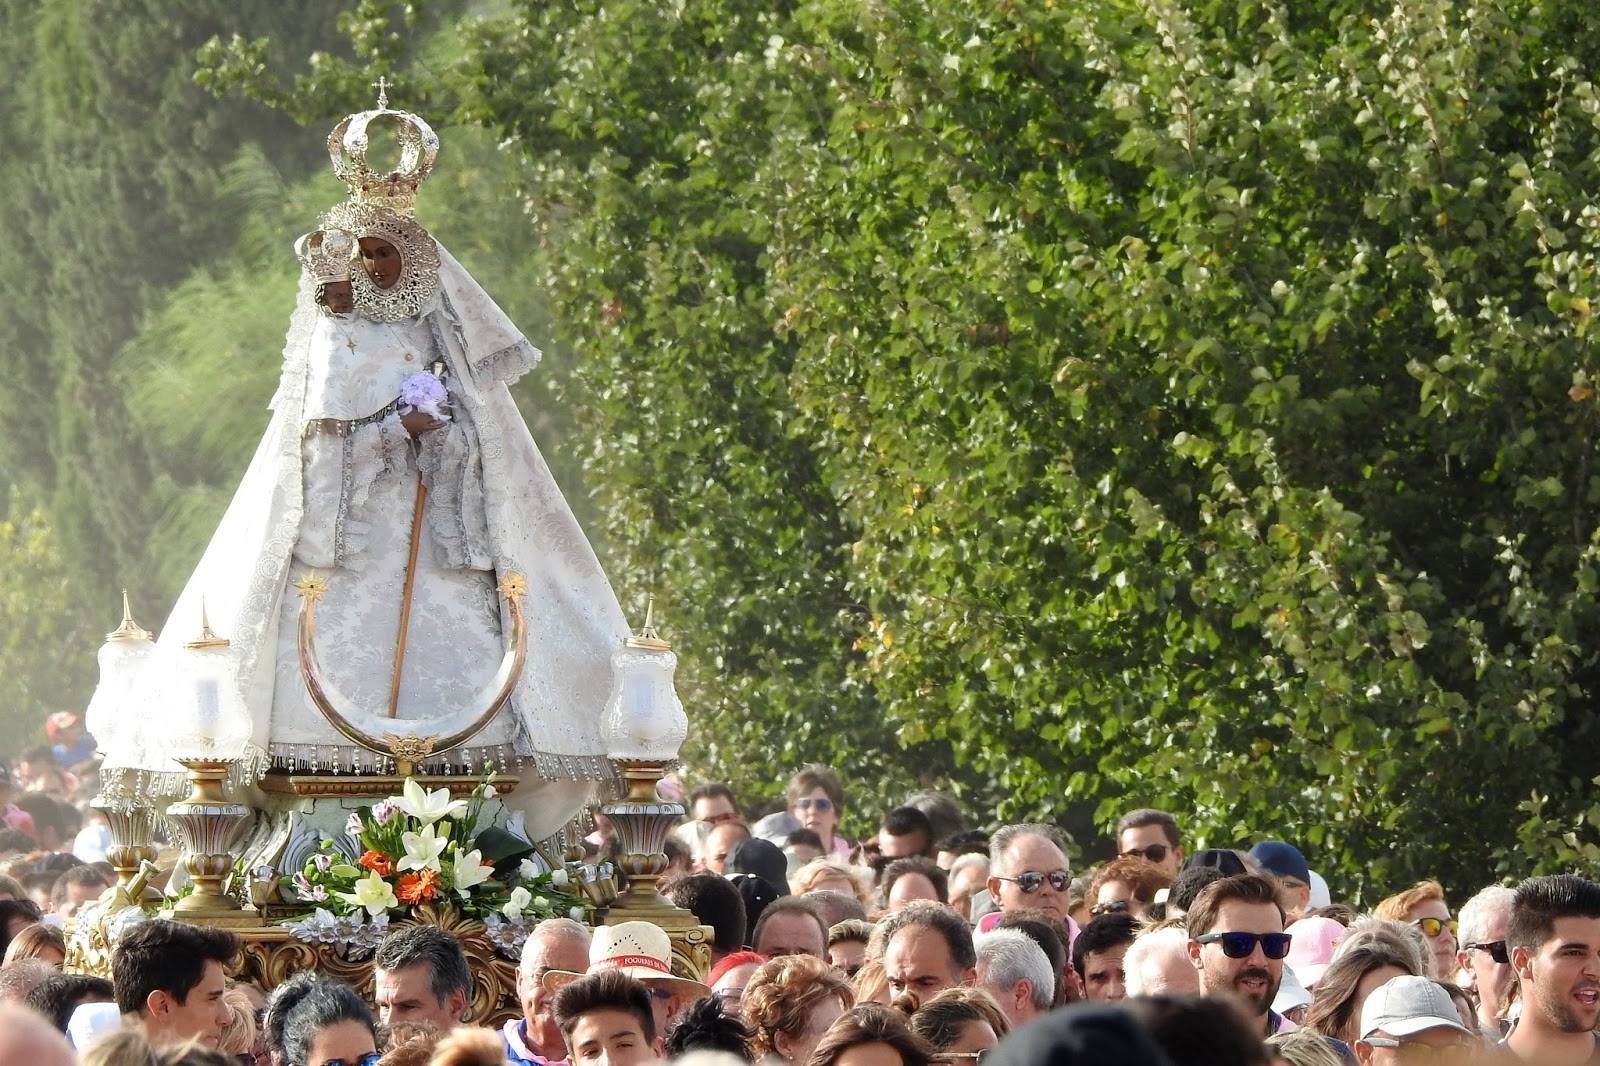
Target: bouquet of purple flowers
column 426, row 393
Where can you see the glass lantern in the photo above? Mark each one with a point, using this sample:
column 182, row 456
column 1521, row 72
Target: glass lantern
column 211, row 721
column 123, row 658
column 644, row 719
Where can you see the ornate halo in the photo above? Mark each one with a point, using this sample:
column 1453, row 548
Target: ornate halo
column 419, row 261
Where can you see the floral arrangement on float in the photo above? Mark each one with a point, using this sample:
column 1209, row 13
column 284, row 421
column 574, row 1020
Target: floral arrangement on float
column 424, row 849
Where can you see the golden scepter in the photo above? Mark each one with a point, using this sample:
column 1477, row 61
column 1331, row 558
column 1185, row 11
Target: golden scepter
column 411, row 577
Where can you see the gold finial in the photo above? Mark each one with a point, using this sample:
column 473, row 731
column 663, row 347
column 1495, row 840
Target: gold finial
column 206, row 639
column 311, row 587
column 647, row 637
column 513, row 586
column 129, row 629
column 382, row 85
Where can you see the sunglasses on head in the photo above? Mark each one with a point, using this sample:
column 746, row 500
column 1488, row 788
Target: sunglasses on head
column 369, row 1059
column 1432, row 927
column 821, row 803
column 1116, row 906
column 962, row 1057
column 1240, row 945
column 1031, row 881
column 1153, row 852
column 1496, row 949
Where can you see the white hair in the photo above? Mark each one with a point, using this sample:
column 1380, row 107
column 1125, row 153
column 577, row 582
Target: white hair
column 969, row 859
column 550, row 929
column 1474, row 914
column 1172, row 938
column 1007, row 956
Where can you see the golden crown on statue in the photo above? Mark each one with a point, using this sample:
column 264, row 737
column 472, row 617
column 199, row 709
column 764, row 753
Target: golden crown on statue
column 419, row 148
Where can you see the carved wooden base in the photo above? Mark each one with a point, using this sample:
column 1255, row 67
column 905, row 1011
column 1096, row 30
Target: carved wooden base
column 368, row 785
column 271, row 953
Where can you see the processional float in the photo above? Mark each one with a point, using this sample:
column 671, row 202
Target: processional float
column 313, row 819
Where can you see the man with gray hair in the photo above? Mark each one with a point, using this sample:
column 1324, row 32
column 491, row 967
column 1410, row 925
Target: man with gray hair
column 420, row 975
column 535, row 1038
column 1157, row 963
column 1028, row 870
column 1017, row 973
column 968, row 875
column 1483, row 956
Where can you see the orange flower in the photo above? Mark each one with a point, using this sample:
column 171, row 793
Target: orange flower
column 377, row 862
column 417, row 887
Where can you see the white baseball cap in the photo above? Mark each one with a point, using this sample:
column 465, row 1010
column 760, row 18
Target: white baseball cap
column 1406, row 1005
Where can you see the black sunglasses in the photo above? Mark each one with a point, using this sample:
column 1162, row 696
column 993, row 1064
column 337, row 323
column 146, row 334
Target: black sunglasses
column 1240, row 945
column 1116, row 906
column 1496, row 949
column 1153, row 852
column 369, row 1059
column 1031, row 881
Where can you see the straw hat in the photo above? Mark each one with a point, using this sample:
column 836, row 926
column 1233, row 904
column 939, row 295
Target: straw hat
column 641, row 950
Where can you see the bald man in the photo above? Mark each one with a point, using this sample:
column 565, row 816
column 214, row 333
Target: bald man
column 26, row 1037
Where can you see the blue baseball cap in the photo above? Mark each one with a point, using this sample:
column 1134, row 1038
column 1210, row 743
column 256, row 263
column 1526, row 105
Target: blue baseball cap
column 1281, row 860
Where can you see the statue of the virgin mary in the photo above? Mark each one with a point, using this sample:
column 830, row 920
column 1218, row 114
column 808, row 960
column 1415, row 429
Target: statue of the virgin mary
column 394, row 436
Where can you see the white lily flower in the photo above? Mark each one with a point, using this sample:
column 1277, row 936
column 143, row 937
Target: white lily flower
column 469, row 870
column 373, row 894
column 520, row 898
column 423, row 849
column 425, row 806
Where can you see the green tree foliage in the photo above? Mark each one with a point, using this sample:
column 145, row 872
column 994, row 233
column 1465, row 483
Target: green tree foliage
column 1127, row 403
column 46, row 650
column 113, row 169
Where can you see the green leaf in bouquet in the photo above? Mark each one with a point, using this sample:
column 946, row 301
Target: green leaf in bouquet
column 501, row 847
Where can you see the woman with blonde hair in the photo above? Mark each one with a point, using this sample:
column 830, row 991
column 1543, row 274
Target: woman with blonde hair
column 960, row 1023
column 1423, row 906
column 1305, row 1047
column 469, row 1047
column 39, row 941
column 239, row 1036
column 789, row 1004
column 1356, row 970
column 833, row 875
column 870, row 1033
column 871, row 983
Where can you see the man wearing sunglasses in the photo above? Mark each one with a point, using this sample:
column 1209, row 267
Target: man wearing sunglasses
column 1484, row 958
column 1151, row 835
column 1028, row 870
column 1237, row 944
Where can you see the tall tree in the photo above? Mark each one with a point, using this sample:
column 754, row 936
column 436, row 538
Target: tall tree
column 1127, row 403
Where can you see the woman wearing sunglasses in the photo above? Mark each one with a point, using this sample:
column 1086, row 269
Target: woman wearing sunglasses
column 1423, row 906
column 817, row 800
column 325, row 1023
column 1126, row 885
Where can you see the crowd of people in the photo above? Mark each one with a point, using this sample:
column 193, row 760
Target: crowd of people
column 930, row 941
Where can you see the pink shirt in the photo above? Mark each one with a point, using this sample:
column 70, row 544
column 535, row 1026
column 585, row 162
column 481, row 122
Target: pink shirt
column 989, row 921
